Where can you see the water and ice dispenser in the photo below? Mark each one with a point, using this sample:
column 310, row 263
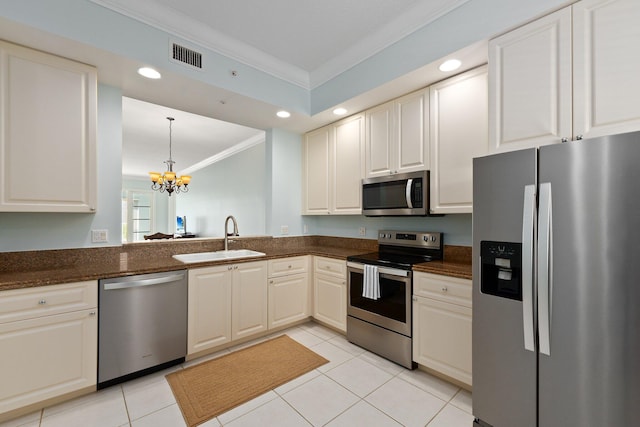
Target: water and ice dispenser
column 501, row 269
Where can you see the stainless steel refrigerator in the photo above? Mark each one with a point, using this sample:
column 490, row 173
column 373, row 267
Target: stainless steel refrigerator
column 556, row 285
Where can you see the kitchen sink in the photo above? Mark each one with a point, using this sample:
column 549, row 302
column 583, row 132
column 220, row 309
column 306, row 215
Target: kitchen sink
column 217, row 256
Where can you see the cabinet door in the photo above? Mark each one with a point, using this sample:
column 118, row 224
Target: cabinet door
column 412, row 132
column 606, row 67
column 288, row 299
column 315, row 173
column 348, row 166
column 442, row 338
column 209, row 318
column 48, row 136
column 249, row 299
column 530, row 84
column 379, row 140
column 330, row 300
column 458, row 134
column 46, row 357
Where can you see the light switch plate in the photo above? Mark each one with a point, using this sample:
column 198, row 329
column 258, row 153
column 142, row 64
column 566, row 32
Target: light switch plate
column 362, row 231
column 99, row 236
column 284, row 229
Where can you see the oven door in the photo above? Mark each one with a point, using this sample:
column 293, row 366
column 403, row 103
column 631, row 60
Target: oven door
column 393, row 309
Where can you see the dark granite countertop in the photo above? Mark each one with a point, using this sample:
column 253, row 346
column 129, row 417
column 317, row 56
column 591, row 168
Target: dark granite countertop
column 42, row 268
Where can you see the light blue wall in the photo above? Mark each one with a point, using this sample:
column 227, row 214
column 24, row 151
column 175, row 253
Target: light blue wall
column 33, row 231
column 90, row 23
column 456, row 229
column 284, row 171
column 233, row 186
column 98, row 26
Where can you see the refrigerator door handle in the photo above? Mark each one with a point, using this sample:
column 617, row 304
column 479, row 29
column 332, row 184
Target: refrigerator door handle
column 528, row 216
column 545, row 270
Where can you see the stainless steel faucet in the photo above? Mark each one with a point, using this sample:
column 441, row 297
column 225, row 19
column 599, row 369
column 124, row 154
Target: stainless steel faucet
column 226, row 231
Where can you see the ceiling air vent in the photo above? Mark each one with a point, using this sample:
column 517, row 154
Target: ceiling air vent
column 186, row 56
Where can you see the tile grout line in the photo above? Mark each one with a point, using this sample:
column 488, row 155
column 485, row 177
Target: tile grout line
column 126, row 407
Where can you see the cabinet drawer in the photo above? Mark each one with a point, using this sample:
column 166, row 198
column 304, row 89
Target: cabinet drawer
column 330, row 266
column 287, row 266
column 443, row 288
column 20, row 304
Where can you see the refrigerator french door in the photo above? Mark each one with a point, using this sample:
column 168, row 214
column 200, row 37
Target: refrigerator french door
column 556, row 285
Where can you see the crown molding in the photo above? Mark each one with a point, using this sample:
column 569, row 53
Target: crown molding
column 246, row 144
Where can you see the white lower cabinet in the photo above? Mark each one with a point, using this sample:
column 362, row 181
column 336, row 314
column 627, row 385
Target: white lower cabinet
column 442, row 325
column 330, row 292
column 226, row 303
column 288, row 291
column 48, row 342
column 249, row 299
column 209, row 318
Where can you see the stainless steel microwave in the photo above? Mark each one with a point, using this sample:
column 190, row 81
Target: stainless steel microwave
column 396, row 195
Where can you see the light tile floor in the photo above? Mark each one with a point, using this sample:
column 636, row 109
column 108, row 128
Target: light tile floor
column 357, row 388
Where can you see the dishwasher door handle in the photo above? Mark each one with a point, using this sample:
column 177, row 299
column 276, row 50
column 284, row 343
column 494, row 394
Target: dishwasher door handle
column 143, row 282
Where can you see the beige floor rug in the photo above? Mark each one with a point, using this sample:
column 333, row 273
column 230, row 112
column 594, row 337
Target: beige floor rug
column 210, row 388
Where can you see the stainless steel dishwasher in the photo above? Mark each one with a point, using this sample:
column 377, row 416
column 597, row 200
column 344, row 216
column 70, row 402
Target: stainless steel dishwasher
column 142, row 325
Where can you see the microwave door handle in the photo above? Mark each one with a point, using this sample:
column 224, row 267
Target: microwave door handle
column 408, row 193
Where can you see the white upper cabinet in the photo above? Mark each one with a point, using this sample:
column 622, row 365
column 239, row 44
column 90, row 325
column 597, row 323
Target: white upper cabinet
column 333, row 167
column 48, row 137
column 397, row 135
column 379, row 140
column 315, row 176
column 566, row 75
column 530, row 84
column 458, row 134
column 606, row 37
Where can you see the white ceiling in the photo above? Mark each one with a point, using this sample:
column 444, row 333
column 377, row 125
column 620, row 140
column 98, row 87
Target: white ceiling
column 196, row 140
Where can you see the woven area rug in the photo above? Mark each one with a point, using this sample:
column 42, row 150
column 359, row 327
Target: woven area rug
column 210, row 388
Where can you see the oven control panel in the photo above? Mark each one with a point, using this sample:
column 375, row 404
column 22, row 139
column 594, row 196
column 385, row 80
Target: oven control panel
column 421, row 239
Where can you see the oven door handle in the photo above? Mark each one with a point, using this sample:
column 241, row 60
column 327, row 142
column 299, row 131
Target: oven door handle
column 407, row 193
column 381, row 270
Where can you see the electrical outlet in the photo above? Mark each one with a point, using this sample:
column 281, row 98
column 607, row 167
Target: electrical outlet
column 99, row 236
column 362, row 231
column 305, row 229
column 284, row 229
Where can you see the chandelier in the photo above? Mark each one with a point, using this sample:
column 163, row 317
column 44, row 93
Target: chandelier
column 168, row 181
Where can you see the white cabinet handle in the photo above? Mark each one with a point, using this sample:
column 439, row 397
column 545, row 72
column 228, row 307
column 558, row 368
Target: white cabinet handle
column 230, row 268
column 289, row 266
column 235, row 267
column 444, row 289
column 42, row 302
column 93, row 313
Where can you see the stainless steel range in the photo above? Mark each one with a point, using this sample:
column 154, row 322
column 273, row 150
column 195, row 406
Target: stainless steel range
column 379, row 292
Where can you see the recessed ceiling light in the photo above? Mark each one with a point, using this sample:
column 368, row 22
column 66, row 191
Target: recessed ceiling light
column 149, row 73
column 283, row 114
column 450, row 65
column 340, row 111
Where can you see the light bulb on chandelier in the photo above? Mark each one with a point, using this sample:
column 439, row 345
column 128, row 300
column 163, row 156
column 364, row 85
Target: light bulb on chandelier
column 169, row 181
